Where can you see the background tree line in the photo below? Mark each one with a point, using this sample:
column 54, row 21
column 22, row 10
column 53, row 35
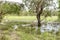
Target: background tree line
column 34, row 8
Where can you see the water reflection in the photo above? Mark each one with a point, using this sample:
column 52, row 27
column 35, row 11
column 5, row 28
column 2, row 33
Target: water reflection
column 15, row 27
column 48, row 27
column 55, row 26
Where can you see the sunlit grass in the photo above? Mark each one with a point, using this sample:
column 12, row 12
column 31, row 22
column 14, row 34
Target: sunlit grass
column 29, row 18
column 53, row 18
column 26, row 18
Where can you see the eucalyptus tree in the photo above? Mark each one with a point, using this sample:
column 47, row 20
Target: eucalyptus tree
column 37, row 6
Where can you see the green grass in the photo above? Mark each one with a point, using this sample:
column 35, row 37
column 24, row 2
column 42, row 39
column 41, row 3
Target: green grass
column 24, row 33
column 29, row 18
column 53, row 18
column 28, row 36
column 25, row 36
column 20, row 17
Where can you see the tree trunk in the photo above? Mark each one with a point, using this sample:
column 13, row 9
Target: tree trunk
column 38, row 19
column 39, row 10
column 1, row 16
column 38, row 16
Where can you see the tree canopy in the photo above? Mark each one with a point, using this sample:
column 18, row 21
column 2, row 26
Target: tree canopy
column 38, row 6
column 7, row 7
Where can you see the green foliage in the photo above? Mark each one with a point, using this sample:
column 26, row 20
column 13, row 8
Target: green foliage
column 34, row 6
column 10, row 7
column 4, row 37
column 48, row 36
column 59, row 17
column 59, row 3
column 59, row 10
